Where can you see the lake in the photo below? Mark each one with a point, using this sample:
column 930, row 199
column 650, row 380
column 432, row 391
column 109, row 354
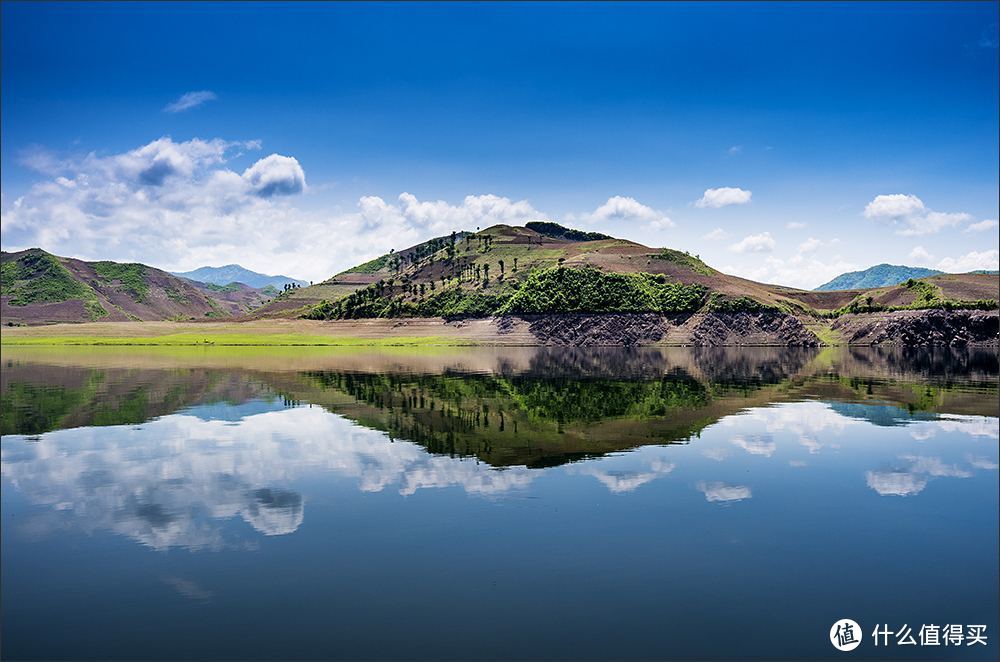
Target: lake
column 475, row 503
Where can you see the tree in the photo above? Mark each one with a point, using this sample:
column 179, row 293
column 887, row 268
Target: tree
column 501, row 268
column 515, row 265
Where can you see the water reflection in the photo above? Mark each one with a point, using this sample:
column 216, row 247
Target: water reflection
column 217, row 445
column 456, row 480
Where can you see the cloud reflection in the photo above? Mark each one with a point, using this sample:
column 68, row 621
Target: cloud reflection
column 717, row 492
column 173, row 482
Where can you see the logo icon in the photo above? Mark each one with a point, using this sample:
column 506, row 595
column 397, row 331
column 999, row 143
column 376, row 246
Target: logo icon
column 845, row 635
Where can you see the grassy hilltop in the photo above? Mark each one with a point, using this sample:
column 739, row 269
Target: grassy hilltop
column 546, row 268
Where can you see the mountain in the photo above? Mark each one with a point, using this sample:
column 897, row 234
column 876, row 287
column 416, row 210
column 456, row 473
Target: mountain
column 38, row 287
column 237, row 298
column 234, row 273
column 881, row 275
column 546, row 268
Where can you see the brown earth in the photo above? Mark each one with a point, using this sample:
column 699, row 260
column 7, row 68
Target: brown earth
column 237, row 299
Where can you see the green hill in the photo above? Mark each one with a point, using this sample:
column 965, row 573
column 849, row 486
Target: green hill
column 37, row 287
column 546, row 268
column 881, row 275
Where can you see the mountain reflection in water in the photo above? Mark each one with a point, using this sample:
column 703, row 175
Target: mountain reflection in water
column 701, row 453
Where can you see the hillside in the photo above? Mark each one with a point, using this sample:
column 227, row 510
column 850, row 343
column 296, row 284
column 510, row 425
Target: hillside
column 234, row 273
column 38, row 287
column 545, row 268
column 237, row 298
column 881, row 275
column 299, row 301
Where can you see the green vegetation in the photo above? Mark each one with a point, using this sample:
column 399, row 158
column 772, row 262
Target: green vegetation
column 131, row 278
column 692, row 262
column 231, row 339
column 230, row 287
column 564, row 290
column 927, row 296
column 370, row 267
column 552, row 290
column 38, row 277
column 718, row 303
column 176, row 296
column 557, row 231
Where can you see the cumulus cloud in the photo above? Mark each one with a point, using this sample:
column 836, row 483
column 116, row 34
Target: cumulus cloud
column 754, row 243
column 971, row 261
column 724, row 196
column 734, row 150
column 189, row 100
column 804, row 270
column 717, row 234
column 912, row 215
column 794, row 225
column 895, row 205
column 623, row 208
column 180, row 204
column 982, row 226
column 276, row 175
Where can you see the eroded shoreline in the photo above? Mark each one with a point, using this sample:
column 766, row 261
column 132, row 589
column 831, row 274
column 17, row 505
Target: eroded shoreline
column 909, row 328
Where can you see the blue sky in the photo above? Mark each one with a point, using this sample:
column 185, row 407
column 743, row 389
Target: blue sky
column 318, row 135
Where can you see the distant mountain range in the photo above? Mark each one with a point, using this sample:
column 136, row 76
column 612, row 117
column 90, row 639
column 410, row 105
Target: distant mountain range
column 234, row 273
column 881, row 275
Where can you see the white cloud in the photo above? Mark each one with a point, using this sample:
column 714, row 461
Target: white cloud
column 933, row 222
column 734, row 150
column 895, row 205
column 724, row 196
column 276, row 175
column 716, row 235
column 754, row 243
column 982, row 226
column 810, row 244
column 920, row 255
column 803, row 270
column 189, row 100
column 794, row 225
column 971, row 261
column 909, row 210
column 622, row 208
column 180, row 205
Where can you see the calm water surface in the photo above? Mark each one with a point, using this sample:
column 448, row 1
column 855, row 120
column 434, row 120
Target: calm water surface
column 494, row 504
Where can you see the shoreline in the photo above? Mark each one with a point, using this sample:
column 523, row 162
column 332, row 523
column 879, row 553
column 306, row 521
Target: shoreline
column 908, row 328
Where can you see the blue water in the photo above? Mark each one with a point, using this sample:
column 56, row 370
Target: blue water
column 268, row 526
